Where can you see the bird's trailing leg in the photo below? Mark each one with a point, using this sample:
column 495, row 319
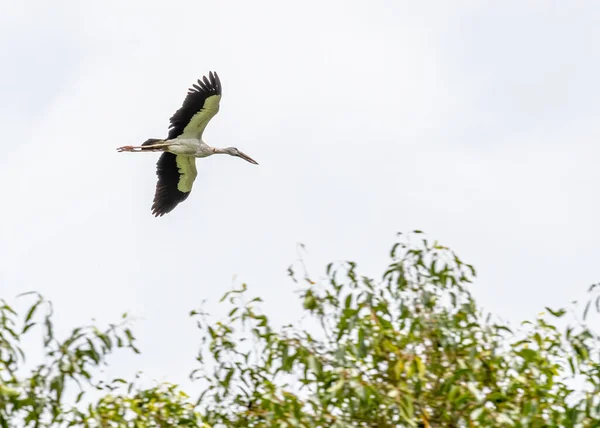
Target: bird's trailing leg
column 148, row 148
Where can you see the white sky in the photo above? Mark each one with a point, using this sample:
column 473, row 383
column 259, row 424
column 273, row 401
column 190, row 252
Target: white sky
column 477, row 124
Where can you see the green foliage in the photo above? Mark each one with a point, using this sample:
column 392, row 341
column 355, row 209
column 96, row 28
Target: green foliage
column 409, row 349
column 36, row 397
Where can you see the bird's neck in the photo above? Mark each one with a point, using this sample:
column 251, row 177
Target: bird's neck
column 219, row 151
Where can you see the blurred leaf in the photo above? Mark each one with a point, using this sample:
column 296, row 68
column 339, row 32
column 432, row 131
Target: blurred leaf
column 558, row 313
column 585, row 311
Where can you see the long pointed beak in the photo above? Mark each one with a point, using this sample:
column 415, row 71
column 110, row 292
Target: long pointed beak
column 247, row 158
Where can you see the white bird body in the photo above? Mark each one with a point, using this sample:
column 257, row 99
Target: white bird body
column 190, row 147
column 176, row 168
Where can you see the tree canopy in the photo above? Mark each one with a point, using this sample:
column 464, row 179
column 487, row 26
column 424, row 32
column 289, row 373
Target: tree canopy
column 410, row 348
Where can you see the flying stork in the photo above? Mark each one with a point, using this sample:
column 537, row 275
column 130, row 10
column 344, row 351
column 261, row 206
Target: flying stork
column 176, row 167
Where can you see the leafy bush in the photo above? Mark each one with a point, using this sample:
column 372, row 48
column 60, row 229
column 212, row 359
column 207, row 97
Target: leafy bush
column 409, row 349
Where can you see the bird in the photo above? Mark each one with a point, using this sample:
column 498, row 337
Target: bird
column 176, row 167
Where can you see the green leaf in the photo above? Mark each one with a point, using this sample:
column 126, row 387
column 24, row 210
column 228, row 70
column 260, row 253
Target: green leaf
column 26, row 327
column 314, row 365
column 420, row 368
column 362, row 349
column 348, row 301
column 557, row 313
column 31, row 311
column 310, row 302
column 503, row 328
column 528, row 354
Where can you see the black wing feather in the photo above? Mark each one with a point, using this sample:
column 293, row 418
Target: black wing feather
column 167, row 195
column 193, row 103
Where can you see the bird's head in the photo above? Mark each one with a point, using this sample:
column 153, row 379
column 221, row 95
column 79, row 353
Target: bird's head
column 232, row 151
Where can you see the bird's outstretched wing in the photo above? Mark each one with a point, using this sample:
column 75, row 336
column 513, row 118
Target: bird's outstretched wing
column 176, row 175
column 199, row 107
